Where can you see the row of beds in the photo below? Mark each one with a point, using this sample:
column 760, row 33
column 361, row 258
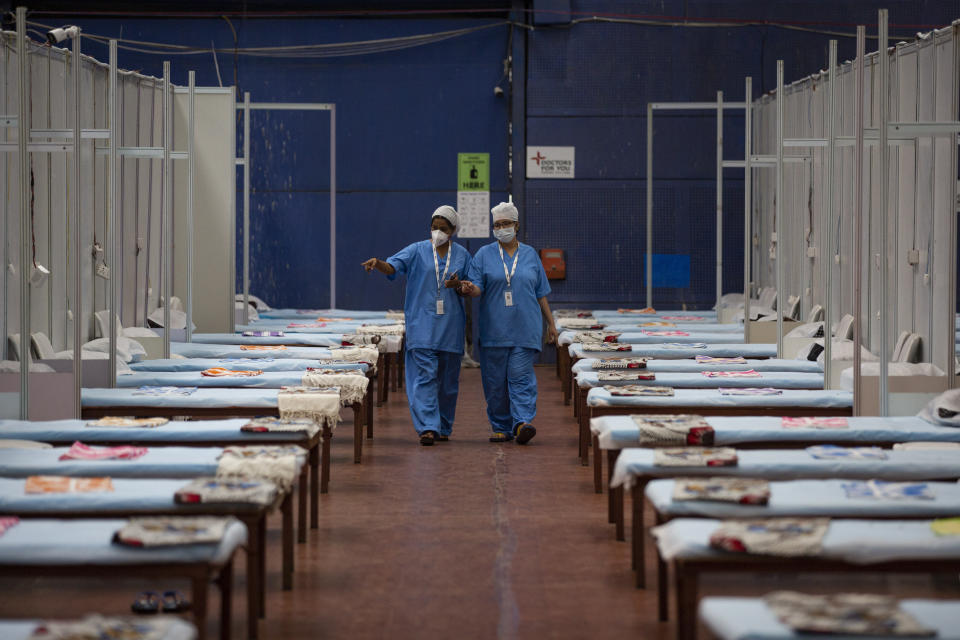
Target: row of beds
column 864, row 535
column 69, row 535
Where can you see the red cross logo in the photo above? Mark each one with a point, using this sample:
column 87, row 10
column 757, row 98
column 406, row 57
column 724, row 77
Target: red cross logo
column 537, row 158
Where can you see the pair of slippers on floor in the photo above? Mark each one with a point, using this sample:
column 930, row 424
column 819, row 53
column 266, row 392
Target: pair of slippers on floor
column 152, row 602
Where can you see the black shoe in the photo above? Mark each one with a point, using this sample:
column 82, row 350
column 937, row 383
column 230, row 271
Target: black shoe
column 442, row 438
column 525, row 432
column 499, row 436
column 427, row 437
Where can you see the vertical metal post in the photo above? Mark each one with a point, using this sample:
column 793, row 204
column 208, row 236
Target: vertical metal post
column 719, row 291
column 191, row 167
column 23, row 133
column 858, row 219
column 113, row 218
column 246, row 208
column 166, row 215
column 747, row 203
column 826, row 254
column 883, row 87
column 649, row 205
column 75, row 202
column 333, row 206
column 952, row 277
column 781, row 298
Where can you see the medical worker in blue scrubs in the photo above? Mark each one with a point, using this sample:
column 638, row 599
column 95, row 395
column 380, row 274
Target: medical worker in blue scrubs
column 512, row 285
column 435, row 319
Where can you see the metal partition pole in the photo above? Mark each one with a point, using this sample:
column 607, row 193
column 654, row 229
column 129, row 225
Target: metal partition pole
column 780, row 210
column 333, row 207
column 246, row 207
column 747, row 204
column 23, row 131
column 883, row 88
column 858, row 218
column 113, row 218
column 952, row 278
column 826, row 255
column 75, row 201
column 719, row 292
column 166, row 215
column 649, row 205
column 191, row 167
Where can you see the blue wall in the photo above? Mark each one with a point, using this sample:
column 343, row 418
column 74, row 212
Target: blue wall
column 403, row 116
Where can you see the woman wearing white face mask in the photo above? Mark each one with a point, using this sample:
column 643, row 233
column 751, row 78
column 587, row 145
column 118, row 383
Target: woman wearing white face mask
column 435, row 320
column 513, row 287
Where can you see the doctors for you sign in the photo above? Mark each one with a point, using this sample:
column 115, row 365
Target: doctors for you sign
column 550, row 162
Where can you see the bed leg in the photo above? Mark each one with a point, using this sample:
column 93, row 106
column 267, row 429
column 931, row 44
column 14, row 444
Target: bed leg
column 639, row 563
column 225, row 581
column 597, row 466
column 325, row 437
column 686, row 590
column 582, row 425
column 368, row 407
column 401, row 364
column 567, row 385
column 199, row 606
column 618, row 513
column 381, row 376
column 261, row 601
column 611, row 506
column 394, row 370
column 662, row 587
column 255, row 572
column 286, row 509
column 302, row 507
column 558, row 358
column 357, row 434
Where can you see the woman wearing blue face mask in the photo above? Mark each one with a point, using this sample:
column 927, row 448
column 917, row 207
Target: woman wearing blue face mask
column 512, row 285
column 435, row 320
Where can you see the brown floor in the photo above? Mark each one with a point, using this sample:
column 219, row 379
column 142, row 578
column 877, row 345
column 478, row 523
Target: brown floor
column 466, row 539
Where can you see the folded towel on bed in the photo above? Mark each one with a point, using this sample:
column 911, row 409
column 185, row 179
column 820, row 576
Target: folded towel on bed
column 771, row 536
column 214, row 490
column 656, row 323
column 270, row 424
column 262, row 347
column 673, row 430
column 96, row 626
column 644, row 311
column 882, row 490
column 695, row 457
column 606, row 346
column 681, row 345
column 572, row 313
column 669, row 334
column 80, row 451
column 66, row 484
column 750, row 373
column 320, row 404
column 849, row 614
column 813, row 423
column 638, row 390
column 750, row 391
column 833, row 452
column 136, row 423
column 736, row 490
column 360, row 340
column 273, row 463
column 354, row 354
column 610, row 376
column 352, row 384
column 171, row 530
column 222, row 372
column 579, row 323
column 595, row 336
column 620, row 363
column 263, row 334
column 716, row 360
column 381, row 329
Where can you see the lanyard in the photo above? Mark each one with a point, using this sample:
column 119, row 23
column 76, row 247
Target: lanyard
column 436, row 267
column 513, row 270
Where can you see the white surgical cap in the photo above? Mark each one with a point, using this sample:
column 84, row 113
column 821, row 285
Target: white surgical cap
column 449, row 214
column 505, row 211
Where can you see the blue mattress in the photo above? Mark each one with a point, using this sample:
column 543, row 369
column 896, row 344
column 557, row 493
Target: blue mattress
column 751, row 619
column 309, row 315
column 217, row 351
column 265, row 364
column 797, row 464
column 214, row 432
column 45, row 542
column 821, row 399
column 618, row 432
column 137, row 496
column 282, row 325
column 776, row 379
column 725, row 349
column 698, row 336
column 692, row 366
column 566, row 334
column 854, row 541
column 266, row 380
column 808, row 498
column 23, row 629
column 709, row 314
column 298, row 339
column 199, row 399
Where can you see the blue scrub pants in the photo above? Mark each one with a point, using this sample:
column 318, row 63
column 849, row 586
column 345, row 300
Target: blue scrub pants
column 433, row 381
column 509, row 386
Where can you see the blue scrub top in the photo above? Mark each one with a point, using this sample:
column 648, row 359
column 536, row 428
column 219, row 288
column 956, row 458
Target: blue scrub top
column 425, row 329
column 522, row 324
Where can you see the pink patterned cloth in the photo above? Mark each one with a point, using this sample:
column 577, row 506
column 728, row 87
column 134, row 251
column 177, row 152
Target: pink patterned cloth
column 80, row 451
column 7, row 523
column 666, row 333
column 814, row 423
column 306, row 325
column 750, row 373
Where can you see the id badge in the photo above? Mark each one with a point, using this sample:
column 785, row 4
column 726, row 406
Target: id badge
column 439, row 306
column 508, row 298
